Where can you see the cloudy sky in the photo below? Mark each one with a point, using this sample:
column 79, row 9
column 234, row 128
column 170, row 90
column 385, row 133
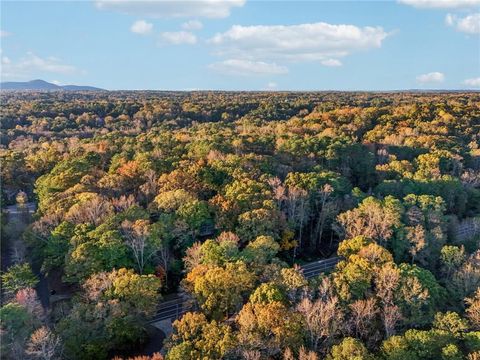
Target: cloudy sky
column 244, row 44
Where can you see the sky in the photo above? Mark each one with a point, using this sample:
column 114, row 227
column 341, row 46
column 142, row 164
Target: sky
column 243, row 44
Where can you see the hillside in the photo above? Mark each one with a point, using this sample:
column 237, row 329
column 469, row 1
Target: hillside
column 42, row 85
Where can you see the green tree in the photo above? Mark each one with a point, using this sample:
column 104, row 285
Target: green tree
column 451, row 322
column 110, row 315
column 57, row 246
column 220, row 290
column 270, row 327
column 349, row 349
column 261, row 251
column 16, row 324
column 258, row 222
column 452, row 257
column 420, row 294
column 267, row 293
column 418, row 345
column 194, row 337
column 17, row 277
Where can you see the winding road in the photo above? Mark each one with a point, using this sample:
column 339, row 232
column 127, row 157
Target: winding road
column 175, row 308
column 172, row 309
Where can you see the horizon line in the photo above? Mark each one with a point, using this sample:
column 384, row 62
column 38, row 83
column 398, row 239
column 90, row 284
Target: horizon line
column 243, row 90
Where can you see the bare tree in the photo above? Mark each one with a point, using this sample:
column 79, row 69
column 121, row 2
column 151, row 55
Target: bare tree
column 251, row 355
column 47, row 223
column 387, row 282
column 391, row 315
column 466, row 280
column 306, row 354
column 150, row 188
column 18, row 252
column 193, row 256
column 323, row 319
column 154, row 356
column 474, row 355
column 325, row 210
column 164, row 255
column 288, row 354
column 136, row 237
column 296, row 211
column 28, row 298
column 473, row 310
column 372, row 219
column 363, row 315
column 43, row 344
column 382, row 156
column 96, row 285
column 471, row 178
column 418, row 242
column 415, row 215
column 279, row 190
column 92, row 211
column 303, row 354
column 123, row 202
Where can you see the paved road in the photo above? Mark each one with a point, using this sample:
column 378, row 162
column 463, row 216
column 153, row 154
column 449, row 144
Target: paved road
column 172, row 309
column 15, row 209
column 315, row 268
column 175, row 308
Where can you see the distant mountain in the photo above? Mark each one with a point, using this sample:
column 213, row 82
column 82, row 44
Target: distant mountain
column 80, row 87
column 43, row 85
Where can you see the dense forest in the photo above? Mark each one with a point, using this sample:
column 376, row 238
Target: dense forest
column 222, row 197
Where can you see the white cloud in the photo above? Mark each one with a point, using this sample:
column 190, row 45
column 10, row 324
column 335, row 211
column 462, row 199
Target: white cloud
column 192, row 25
column 141, row 27
column 441, row 4
column 242, row 67
column 305, row 42
column 473, row 82
column 450, row 19
column 469, row 24
column 271, row 86
column 4, row 34
column 178, row 37
column 172, row 8
column 433, row 77
column 331, row 62
column 31, row 66
column 56, row 82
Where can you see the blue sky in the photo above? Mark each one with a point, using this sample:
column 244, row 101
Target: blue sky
column 244, row 44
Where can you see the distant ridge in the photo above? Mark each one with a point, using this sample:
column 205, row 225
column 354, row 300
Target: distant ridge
column 44, row 85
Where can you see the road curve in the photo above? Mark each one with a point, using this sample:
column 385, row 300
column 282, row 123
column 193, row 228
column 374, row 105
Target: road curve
column 175, row 308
